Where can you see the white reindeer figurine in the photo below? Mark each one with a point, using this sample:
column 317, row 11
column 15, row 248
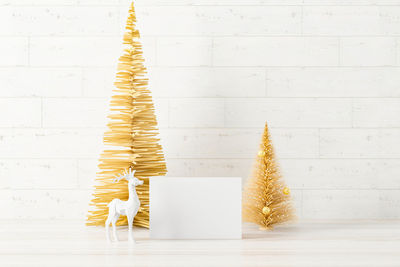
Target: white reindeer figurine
column 129, row 208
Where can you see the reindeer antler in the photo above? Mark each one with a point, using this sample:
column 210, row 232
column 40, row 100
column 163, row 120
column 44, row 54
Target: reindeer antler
column 131, row 173
column 120, row 177
column 125, row 175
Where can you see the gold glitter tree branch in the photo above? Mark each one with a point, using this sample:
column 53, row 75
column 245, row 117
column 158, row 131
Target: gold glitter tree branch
column 131, row 138
column 266, row 199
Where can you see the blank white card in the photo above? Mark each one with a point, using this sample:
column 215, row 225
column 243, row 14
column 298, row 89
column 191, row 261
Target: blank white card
column 195, row 208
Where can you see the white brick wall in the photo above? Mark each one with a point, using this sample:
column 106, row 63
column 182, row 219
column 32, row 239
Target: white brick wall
column 324, row 73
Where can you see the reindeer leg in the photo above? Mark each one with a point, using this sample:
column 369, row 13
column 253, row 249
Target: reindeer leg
column 108, row 229
column 130, row 233
column 114, row 222
column 111, row 215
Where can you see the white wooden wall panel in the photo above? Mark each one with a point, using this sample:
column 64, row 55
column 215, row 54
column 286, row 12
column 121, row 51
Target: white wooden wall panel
column 324, row 73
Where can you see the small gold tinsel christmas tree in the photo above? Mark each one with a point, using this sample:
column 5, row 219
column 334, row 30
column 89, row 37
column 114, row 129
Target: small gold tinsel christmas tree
column 266, row 199
column 131, row 135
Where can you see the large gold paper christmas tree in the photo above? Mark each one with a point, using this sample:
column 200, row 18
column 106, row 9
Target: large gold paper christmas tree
column 266, row 198
column 131, row 138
